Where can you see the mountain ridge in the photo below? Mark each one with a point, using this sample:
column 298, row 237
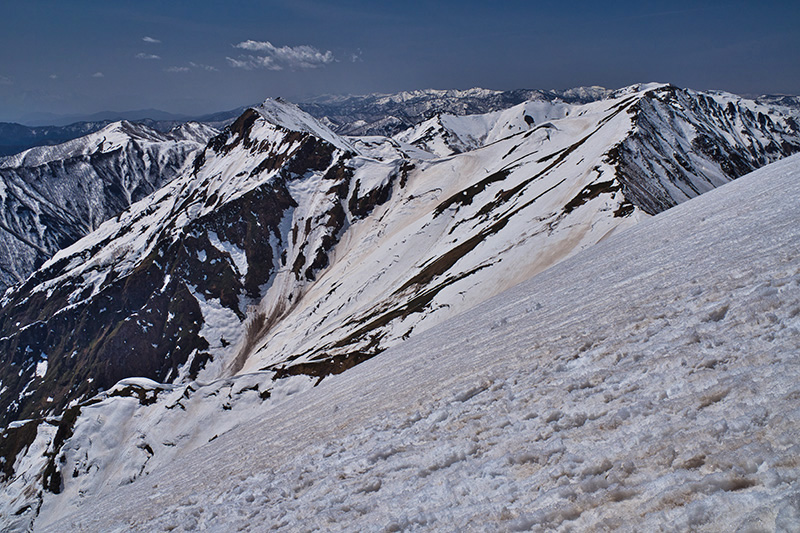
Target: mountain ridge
column 51, row 196
column 285, row 253
column 637, row 405
column 333, row 109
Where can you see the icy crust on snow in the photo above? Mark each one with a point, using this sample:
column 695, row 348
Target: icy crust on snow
column 663, row 395
column 141, row 426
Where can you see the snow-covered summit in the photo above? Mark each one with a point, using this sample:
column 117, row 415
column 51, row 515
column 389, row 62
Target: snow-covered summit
column 446, row 134
column 638, row 87
column 113, row 137
column 53, row 195
column 289, row 116
column 583, row 95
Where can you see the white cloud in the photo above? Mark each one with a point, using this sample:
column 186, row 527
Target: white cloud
column 142, row 55
column 150, row 40
column 271, row 57
column 4, row 80
column 98, row 75
column 53, row 76
column 238, row 63
column 192, row 66
column 202, row 66
column 356, row 57
column 253, row 62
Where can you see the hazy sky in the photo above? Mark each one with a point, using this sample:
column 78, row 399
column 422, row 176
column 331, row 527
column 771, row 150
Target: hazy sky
column 198, row 56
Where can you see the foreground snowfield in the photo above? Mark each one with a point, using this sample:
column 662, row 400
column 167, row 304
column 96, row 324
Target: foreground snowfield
column 651, row 382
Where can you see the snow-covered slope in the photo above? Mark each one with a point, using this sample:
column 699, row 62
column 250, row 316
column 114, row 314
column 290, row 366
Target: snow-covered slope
column 464, row 228
column 445, row 135
column 50, row 196
column 788, row 104
column 690, row 141
column 648, row 383
column 15, row 138
column 287, row 254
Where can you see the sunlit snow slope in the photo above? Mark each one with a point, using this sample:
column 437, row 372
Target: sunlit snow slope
column 649, row 383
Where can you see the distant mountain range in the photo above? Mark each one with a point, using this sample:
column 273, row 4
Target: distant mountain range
column 373, row 114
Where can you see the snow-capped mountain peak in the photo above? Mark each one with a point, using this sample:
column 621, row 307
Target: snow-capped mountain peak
column 108, row 139
column 287, row 115
column 53, row 195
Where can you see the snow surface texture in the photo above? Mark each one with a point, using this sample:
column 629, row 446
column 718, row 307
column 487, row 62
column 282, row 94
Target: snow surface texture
column 649, row 383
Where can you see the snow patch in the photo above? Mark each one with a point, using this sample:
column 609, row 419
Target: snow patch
column 41, row 368
column 237, row 255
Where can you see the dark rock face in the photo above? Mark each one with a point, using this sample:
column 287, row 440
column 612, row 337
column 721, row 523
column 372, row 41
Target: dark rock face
column 146, row 323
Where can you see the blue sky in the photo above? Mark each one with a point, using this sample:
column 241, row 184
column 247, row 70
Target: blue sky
column 198, row 56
